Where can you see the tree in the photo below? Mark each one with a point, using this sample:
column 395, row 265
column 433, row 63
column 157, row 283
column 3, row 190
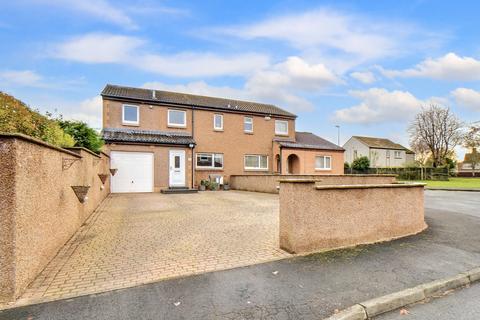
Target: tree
column 84, row 135
column 361, row 164
column 439, row 130
column 17, row 117
column 472, row 141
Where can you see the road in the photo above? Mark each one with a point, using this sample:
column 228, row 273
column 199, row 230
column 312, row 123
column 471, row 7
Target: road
column 310, row 287
column 459, row 305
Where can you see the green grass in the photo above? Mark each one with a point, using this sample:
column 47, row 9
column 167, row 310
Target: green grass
column 469, row 183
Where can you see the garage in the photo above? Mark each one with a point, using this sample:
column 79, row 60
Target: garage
column 134, row 171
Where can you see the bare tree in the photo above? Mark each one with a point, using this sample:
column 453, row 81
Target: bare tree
column 437, row 129
column 472, row 141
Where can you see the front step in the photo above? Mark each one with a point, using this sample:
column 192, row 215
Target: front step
column 178, row 190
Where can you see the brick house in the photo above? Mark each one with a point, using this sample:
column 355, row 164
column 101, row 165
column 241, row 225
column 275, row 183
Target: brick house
column 159, row 139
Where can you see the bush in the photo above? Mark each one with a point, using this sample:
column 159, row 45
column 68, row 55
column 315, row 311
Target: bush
column 17, row 117
column 84, row 135
column 346, row 165
column 361, row 164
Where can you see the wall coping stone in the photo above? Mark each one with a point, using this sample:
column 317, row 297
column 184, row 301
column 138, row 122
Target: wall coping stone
column 314, row 174
column 75, row 149
column 24, row 137
column 370, row 186
column 300, row 180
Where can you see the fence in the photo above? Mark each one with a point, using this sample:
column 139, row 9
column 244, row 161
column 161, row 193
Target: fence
column 412, row 173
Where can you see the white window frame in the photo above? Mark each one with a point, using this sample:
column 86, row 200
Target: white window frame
column 184, row 125
column 259, row 162
column 215, row 124
column 324, row 162
column 128, row 122
column 212, row 167
column 278, row 132
column 245, row 121
column 399, row 154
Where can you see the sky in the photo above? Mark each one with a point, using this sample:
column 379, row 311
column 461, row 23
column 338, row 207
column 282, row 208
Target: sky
column 367, row 66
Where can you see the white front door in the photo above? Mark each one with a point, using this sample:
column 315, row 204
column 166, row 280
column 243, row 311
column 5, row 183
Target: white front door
column 177, row 168
column 134, row 171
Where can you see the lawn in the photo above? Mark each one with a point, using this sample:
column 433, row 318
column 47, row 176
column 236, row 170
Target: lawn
column 469, row 183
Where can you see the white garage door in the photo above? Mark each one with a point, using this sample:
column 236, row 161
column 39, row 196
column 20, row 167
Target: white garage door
column 135, row 171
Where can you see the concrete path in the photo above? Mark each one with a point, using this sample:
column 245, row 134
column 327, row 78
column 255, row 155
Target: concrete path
column 134, row 239
column 463, row 304
column 310, row 287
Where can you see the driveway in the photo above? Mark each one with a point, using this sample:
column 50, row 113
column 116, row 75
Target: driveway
column 139, row 238
column 309, row 287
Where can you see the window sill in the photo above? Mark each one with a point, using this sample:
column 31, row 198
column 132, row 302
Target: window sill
column 175, row 126
column 130, row 124
column 209, row 169
column 248, row 132
column 218, row 130
column 317, row 169
column 282, row 134
column 255, row 170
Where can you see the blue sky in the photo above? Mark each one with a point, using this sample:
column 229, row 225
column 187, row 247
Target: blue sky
column 368, row 66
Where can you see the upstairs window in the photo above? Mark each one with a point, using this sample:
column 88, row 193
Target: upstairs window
column 209, row 160
column 130, row 114
column 248, row 124
column 281, row 127
column 218, row 122
column 323, row 163
column 177, row 118
column 256, row 162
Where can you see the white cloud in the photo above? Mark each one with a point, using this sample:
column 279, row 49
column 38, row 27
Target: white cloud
column 330, row 30
column 21, row 77
column 281, row 84
column 379, row 105
column 365, row 77
column 127, row 50
column 101, row 9
column 447, row 67
column 467, row 97
column 98, row 48
column 88, row 110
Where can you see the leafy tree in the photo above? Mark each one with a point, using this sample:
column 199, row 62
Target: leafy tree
column 472, row 141
column 17, row 117
column 437, row 129
column 361, row 164
column 84, row 135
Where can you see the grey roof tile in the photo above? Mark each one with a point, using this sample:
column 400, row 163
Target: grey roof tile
column 159, row 96
column 308, row 140
column 146, row 136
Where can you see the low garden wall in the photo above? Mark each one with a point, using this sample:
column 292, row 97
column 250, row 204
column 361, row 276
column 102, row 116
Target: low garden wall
column 269, row 182
column 39, row 209
column 321, row 217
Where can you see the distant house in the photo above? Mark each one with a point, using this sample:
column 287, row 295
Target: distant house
column 381, row 152
column 465, row 168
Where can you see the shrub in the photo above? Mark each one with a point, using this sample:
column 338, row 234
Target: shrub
column 346, row 165
column 84, row 135
column 361, row 164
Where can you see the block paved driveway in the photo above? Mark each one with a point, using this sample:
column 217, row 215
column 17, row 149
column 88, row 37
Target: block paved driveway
column 138, row 238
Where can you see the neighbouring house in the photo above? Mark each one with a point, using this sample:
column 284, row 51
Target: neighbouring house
column 465, row 168
column 382, row 152
column 159, row 139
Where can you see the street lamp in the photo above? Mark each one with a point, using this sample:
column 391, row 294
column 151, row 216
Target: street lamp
column 338, row 134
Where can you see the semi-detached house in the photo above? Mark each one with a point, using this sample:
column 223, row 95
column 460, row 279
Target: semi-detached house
column 159, row 139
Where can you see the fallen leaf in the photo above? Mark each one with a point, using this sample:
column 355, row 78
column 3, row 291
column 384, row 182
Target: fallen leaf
column 176, row 304
column 404, row 312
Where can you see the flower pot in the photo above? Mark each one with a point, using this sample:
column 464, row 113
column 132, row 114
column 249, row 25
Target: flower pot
column 201, row 187
column 226, row 187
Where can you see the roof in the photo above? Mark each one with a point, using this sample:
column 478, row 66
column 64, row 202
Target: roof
column 146, row 136
column 380, row 143
column 191, row 100
column 307, row 140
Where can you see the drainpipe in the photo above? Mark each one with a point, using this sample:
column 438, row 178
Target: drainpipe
column 193, row 137
column 280, row 166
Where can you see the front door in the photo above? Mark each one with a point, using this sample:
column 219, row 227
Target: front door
column 177, row 168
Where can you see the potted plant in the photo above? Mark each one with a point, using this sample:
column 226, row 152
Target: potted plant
column 203, row 185
column 212, row 185
column 226, row 186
